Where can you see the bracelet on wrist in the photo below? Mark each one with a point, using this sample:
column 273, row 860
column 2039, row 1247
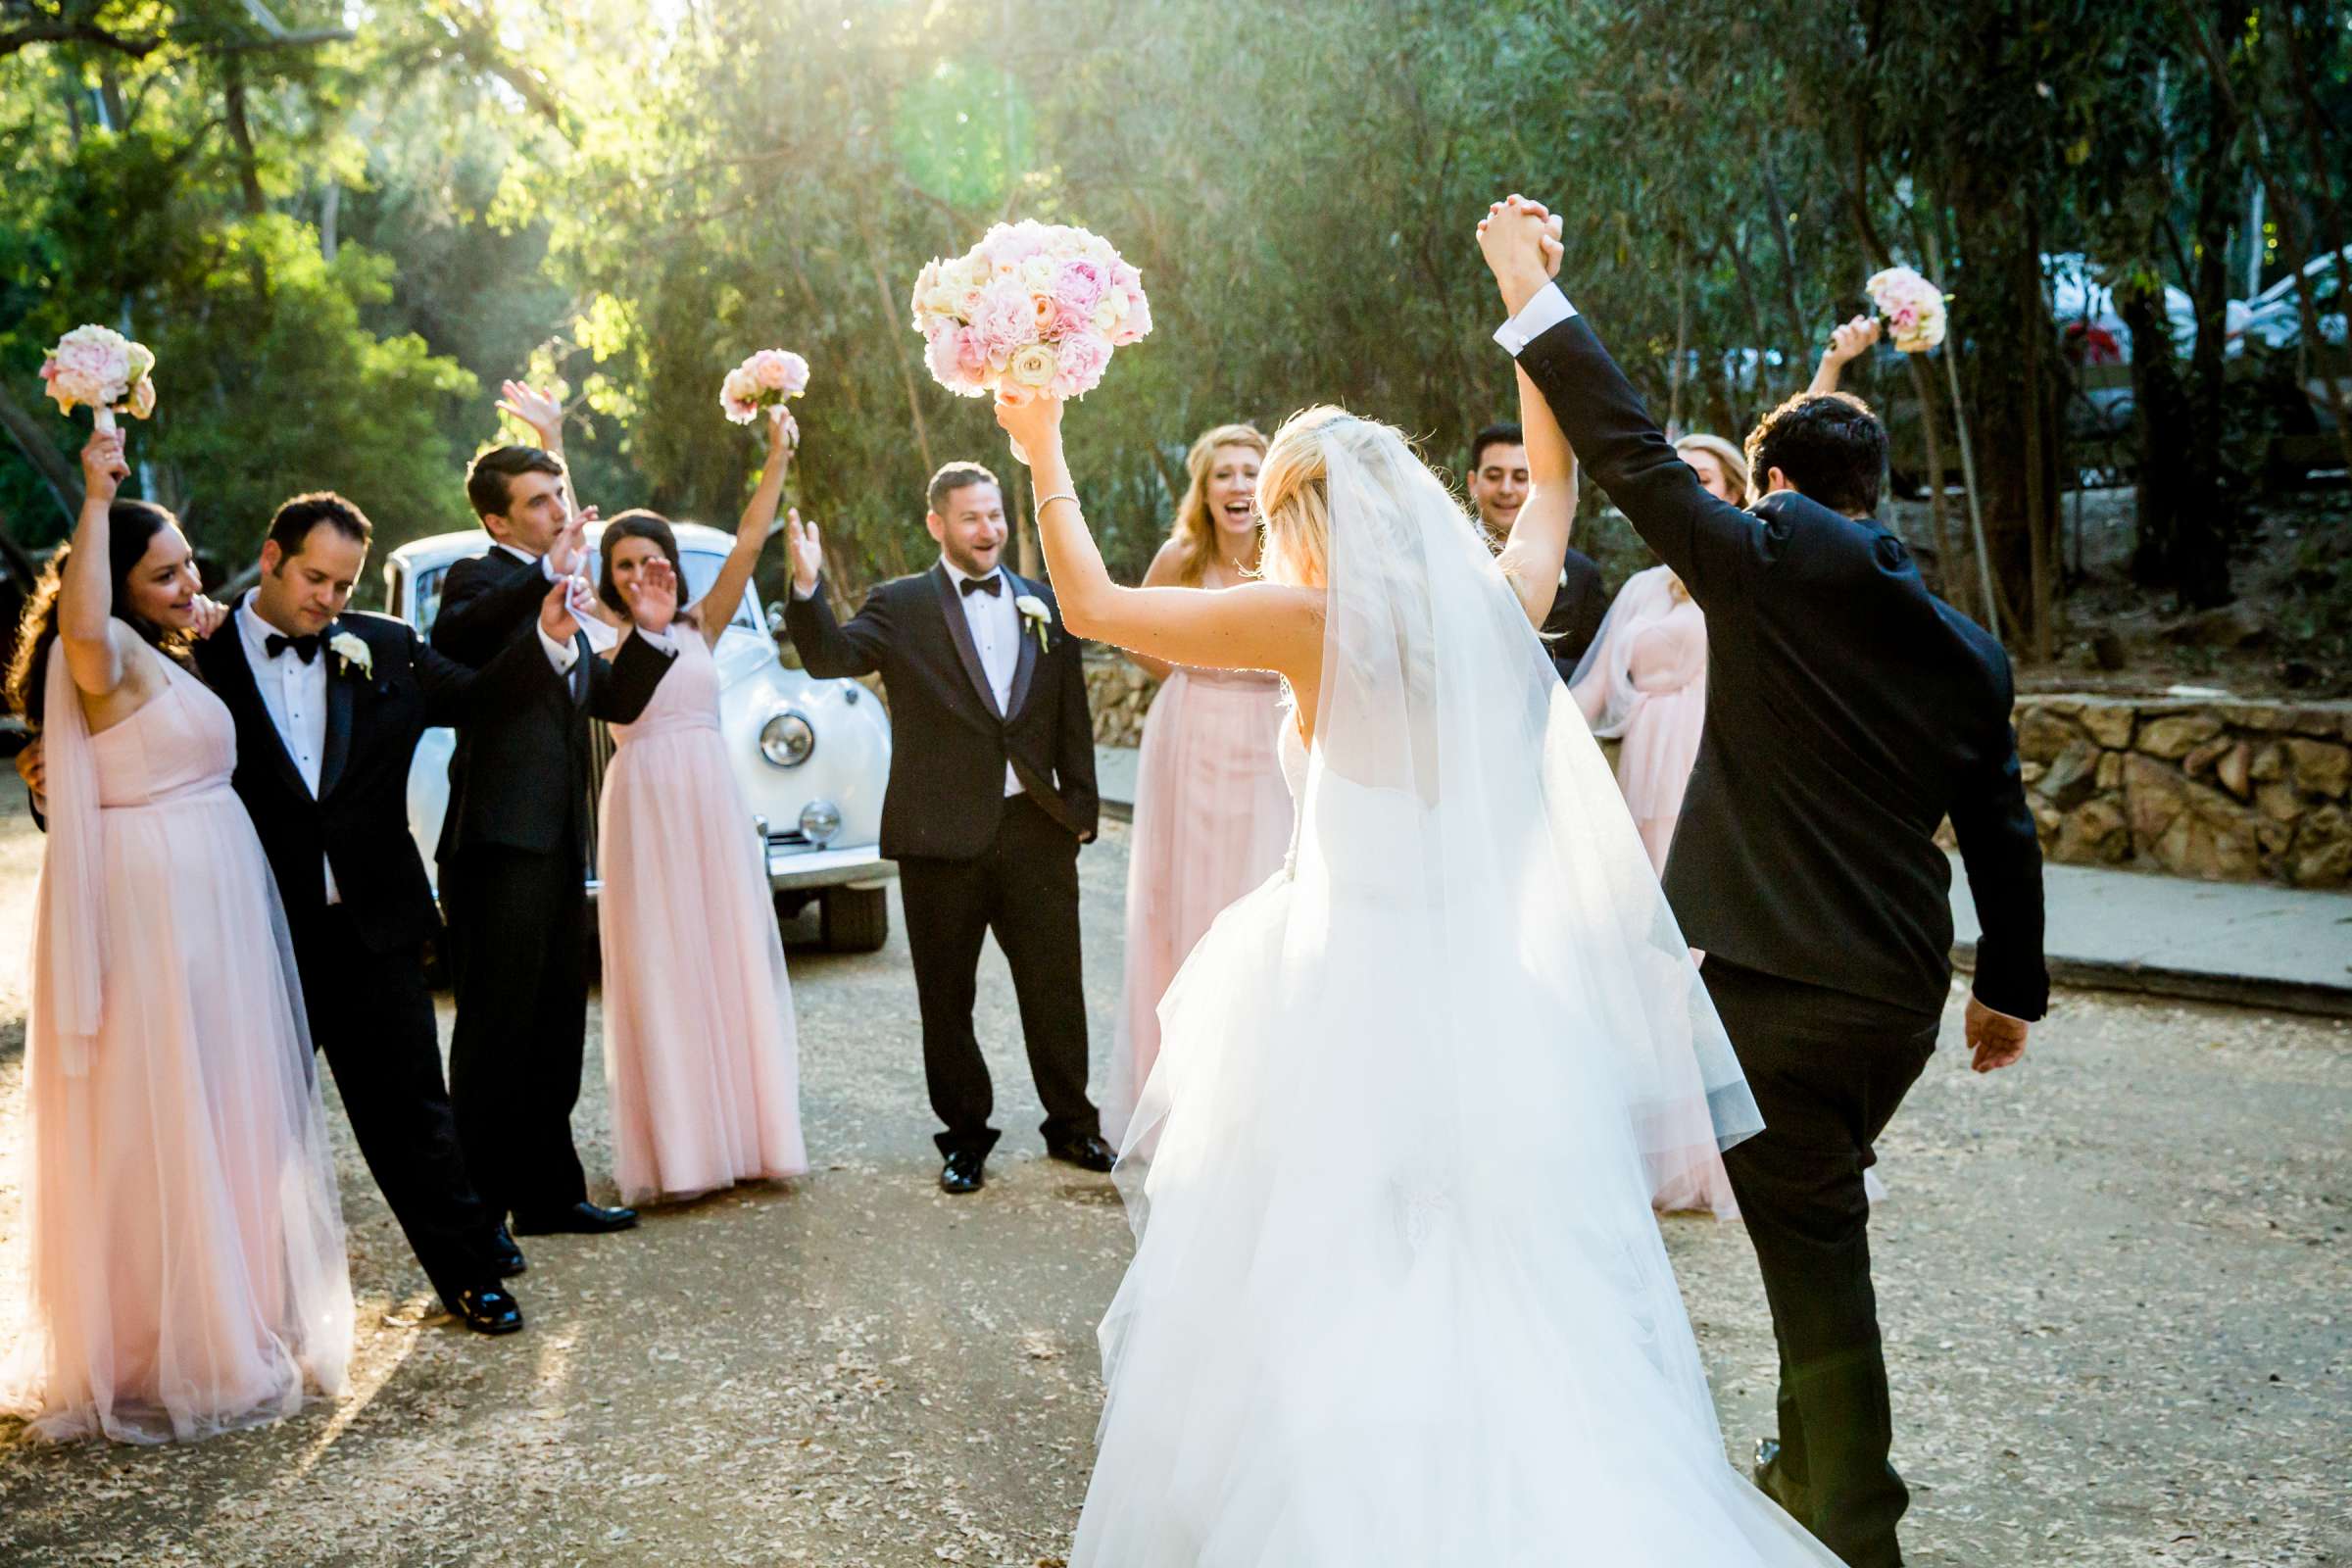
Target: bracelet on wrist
column 1042, row 502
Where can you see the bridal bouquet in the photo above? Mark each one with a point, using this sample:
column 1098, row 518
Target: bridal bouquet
column 99, row 367
column 763, row 381
column 1913, row 308
column 1034, row 306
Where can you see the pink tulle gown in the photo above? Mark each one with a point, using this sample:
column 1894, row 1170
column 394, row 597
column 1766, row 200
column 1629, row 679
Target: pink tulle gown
column 1645, row 683
column 699, row 1044
column 1212, row 819
column 186, row 1270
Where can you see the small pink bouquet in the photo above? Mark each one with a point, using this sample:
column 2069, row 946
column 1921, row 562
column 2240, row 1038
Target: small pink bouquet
column 98, row 368
column 1912, row 306
column 1037, row 306
column 765, row 380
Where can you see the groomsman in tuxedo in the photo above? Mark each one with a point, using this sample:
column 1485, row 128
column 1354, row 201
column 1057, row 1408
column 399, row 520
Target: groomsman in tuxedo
column 1849, row 712
column 329, row 706
column 991, row 790
column 514, row 851
column 1499, row 486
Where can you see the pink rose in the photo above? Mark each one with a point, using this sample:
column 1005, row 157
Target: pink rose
column 1081, row 359
column 1078, row 287
column 779, row 371
column 942, row 354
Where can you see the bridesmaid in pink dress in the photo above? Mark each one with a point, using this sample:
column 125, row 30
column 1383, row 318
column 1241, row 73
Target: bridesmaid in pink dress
column 186, row 1271
column 1644, row 683
column 701, row 1049
column 1213, row 817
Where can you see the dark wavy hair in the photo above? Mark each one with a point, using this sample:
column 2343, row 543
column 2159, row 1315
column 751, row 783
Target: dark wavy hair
column 130, row 527
column 1829, row 445
column 638, row 524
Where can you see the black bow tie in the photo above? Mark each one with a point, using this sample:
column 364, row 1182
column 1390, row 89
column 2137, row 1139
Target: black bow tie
column 992, row 585
column 305, row 648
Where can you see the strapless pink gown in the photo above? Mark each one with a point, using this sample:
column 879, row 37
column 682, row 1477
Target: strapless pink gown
column 1212, row 819
column 186, row 1271
column 700, row 1047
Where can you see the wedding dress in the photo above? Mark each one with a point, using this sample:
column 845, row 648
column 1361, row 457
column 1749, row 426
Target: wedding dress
column 1397, row 1296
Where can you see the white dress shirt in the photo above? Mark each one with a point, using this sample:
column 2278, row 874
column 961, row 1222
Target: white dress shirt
column 1538, row 315
column 996, row 634
column 295, row 693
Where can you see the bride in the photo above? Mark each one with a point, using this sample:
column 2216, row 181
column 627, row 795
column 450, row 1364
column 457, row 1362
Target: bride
column 1398, row 1296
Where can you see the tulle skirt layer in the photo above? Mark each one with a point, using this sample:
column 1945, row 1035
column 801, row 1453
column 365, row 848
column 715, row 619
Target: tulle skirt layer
column 701, row 1044
column 1212, row 819
column 1398, row 1296
column 186, row 1271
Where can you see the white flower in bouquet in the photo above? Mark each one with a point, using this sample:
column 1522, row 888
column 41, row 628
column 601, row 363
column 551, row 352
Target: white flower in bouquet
column 1912, row 306
column 1036, row 306
column 99, row 369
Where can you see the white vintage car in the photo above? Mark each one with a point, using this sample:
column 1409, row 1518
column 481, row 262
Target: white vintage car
column 812, row 756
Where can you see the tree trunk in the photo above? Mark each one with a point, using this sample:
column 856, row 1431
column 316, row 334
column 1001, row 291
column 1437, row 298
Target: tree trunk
column 56, row 470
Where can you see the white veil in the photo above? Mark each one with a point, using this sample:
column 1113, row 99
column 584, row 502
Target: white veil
column 1398, row 1293
column 1603, row 683
column 1444, row 737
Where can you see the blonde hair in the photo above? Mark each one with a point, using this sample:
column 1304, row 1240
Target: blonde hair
column 1294, row 497
column 1734, row 461
column 1194, row 535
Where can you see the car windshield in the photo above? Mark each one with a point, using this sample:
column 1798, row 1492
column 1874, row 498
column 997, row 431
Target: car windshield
column 702, row 569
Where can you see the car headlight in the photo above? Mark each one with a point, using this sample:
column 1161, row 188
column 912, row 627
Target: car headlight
column 787, row 739
column 819, row 821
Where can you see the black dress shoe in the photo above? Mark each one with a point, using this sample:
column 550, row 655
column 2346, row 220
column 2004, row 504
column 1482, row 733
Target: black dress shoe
column 1087, row 1151
column 582, row 1218
column 511, row 1261
column 1771, row 1482
column 966, row 1171
column 487, row 1309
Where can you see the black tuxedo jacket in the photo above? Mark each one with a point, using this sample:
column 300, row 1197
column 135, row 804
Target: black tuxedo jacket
column 359, row 817
column 518, row 778
column 1577, row 610
column 949, row 743
column 1849, row 712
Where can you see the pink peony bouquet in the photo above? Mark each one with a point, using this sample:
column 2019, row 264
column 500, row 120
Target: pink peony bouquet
column 763, row 381
column 98, row 368
column 1034, row 306
column 1912, row 306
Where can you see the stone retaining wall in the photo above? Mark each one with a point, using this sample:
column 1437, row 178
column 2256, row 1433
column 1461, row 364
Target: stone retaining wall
column 2224, row 790
column 2220, row 790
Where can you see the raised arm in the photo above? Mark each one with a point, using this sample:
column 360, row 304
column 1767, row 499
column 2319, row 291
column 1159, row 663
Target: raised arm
column 543, row 411
column 1258, row 625
column 1847, row 343
column 829, row 650
column 92, row 640
column 751, row 529
column 1163, row 572
column 1531, row 557
column 1714, row 546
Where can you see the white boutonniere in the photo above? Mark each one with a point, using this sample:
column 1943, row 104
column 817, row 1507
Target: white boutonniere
column 354, row 653
column 1039, row 615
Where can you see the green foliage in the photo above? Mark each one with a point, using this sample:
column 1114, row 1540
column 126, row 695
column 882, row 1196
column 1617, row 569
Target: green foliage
column 341, row 248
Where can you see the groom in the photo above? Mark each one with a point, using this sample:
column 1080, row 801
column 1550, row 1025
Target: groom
column 1849, row 712
column 991, row 790
column 513, row 853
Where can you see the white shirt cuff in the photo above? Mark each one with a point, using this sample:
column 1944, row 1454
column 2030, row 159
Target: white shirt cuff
column 803, row 597
column 661, row 639
column 1548, row 309
column 547, row 569
column 561, row 655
